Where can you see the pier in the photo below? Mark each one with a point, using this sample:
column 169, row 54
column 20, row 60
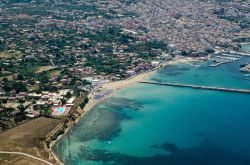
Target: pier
column 231, row 90
column 224, row 58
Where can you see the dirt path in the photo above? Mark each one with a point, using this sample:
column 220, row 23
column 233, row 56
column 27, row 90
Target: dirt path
column 24, row 154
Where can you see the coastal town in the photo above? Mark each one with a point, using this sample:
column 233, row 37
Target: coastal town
column 58, row 56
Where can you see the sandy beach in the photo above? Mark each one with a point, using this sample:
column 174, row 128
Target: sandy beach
column 115, row 86
column 118, row 85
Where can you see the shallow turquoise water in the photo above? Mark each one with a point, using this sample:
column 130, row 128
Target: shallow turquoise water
column 246, row 47
column 228, row 75
column 149, row 124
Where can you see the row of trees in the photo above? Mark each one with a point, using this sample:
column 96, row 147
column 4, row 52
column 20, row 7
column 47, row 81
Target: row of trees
column 13, row 85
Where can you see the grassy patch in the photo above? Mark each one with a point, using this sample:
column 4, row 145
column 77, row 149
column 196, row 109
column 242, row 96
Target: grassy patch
column 10, row 55
column 44, row 68
column 54, row 73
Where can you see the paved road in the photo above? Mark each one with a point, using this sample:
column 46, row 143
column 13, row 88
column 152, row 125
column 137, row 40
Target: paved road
column 24, row 154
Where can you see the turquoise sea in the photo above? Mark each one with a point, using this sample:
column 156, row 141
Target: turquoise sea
column 149, row 124
column 246, row 47
column 227, row 75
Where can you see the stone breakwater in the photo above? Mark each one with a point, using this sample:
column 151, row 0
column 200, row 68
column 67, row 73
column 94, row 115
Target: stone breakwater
column 231, row 90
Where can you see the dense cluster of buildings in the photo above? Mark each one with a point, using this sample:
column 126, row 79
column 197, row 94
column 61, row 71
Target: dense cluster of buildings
column 187, row 25
column 34, row 104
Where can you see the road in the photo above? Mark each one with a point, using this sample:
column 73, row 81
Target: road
column 24, row 154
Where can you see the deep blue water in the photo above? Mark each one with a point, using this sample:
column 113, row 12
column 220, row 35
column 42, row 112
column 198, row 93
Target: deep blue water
column 149, row 124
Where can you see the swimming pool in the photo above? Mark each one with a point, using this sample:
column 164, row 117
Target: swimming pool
column 60, row 109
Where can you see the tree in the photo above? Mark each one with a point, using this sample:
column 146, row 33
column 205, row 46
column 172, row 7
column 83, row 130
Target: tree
column 210, row 50
column 21, row 114
column 31, row 81
column 68, row 95
column 5, row 79
column 47, row 112
column 85, row 82
column 86, row 100
column 73, row 81
column 20, row 77
column 43, row 78
column 19, row 117
column 63, row 101
column 17, row 86
column 21, row 108
column 185, row 53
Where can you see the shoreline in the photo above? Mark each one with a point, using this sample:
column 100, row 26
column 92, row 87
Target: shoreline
column 245, row 50
column 244, row 43
column 116, row 86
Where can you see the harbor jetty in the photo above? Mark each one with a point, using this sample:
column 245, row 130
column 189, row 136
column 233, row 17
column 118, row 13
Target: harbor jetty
column 223, row 58
column 231, row 90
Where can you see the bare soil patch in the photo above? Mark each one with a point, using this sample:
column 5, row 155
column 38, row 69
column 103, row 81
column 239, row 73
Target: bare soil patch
column 44, row 68
column 27, row 138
